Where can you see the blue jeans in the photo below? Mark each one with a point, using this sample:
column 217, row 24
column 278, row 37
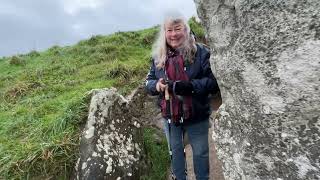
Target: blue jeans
column 198, row 138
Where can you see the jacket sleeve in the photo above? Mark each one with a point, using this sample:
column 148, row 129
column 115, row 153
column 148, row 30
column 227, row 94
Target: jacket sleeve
column 207, row 84
column 151, row 80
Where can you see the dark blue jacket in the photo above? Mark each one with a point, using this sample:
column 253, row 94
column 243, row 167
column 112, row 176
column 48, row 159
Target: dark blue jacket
column 202, row 79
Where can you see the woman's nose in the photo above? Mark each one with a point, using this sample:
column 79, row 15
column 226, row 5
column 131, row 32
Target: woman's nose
column 174, row 33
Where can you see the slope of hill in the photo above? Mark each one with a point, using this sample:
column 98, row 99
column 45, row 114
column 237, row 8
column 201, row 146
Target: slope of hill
column 43, row 99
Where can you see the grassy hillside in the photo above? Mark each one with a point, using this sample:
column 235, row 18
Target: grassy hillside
column 43, row 99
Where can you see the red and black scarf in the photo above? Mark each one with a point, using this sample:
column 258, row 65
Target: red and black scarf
column 180, row 106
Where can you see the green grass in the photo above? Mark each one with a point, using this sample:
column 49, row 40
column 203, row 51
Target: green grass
column 43, row 101
column 197, row 29
column 158, row 154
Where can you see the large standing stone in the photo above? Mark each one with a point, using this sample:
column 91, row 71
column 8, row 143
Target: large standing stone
column 266, row 57
column 111, row 143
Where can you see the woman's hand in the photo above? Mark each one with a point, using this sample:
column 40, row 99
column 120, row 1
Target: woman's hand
column 183, row 88
column 161, row 85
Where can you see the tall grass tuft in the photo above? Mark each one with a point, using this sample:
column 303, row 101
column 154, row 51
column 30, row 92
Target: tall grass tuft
column 16, row 60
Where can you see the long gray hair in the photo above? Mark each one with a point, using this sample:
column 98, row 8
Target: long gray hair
column 160, row 47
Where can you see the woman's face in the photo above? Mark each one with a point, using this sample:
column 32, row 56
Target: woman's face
column 175, row 34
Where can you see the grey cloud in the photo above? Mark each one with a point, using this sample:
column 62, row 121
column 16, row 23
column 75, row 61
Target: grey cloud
column 38, row 24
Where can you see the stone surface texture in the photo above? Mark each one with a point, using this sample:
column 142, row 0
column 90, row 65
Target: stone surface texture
column 266, row 58
column 111, row 145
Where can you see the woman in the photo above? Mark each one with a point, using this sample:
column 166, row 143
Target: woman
column 181, row 75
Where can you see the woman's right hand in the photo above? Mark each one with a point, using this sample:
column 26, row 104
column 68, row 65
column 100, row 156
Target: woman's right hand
column 161, row 85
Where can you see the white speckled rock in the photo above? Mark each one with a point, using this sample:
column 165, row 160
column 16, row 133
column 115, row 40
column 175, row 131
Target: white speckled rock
column 266, row 58
column 111, row 144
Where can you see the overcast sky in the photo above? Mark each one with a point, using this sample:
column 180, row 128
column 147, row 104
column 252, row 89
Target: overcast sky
column 39, row 24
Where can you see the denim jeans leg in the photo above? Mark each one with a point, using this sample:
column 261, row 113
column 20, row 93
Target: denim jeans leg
column 176, row 143
column 198, row 137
